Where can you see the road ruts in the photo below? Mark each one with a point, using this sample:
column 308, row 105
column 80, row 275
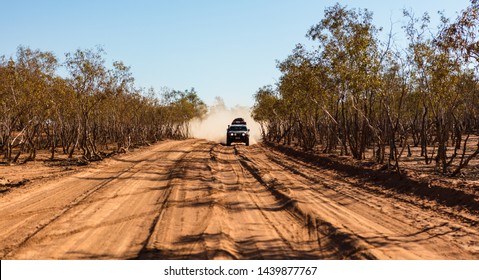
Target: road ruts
column 102, row 213
column 225, row 213
column 196, row 199
column 366, row 224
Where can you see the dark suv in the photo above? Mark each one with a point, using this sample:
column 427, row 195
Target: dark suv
column 237, row 132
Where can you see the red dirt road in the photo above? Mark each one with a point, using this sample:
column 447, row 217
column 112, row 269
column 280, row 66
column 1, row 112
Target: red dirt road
column 196, row 199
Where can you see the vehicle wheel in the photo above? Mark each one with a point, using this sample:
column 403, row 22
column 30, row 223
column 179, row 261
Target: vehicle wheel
column 247, row 142
column 228, row 143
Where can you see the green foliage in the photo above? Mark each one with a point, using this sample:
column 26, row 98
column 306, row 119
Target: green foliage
column 354, row 92
column 93, row 107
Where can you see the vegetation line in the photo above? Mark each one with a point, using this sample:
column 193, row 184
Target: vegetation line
column 93, row 111
column 354, row 93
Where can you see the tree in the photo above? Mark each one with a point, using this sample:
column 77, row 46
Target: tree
column 92, row 109
column 355, row 92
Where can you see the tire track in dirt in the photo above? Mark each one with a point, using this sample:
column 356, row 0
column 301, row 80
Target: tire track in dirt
column 455, row 227
column 367, row 226
column 344, row 245
column 124, row 183
column 227, row 214
column 195, row 199
column 279, row 220
column 177, row 199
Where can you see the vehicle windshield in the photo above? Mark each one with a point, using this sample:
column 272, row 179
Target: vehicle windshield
column 237, row 128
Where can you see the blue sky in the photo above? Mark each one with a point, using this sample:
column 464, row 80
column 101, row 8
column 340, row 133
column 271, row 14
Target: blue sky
column 221, row 48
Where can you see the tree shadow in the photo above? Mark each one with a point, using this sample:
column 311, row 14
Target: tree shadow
column 250, row 248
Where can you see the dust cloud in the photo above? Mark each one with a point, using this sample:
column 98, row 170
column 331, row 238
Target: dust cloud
column 213, row 126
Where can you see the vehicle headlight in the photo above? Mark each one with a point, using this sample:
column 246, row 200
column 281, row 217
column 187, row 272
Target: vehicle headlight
column 232, row 134
column 243, row 134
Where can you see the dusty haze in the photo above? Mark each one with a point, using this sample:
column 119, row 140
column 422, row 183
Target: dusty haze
column 213, row 126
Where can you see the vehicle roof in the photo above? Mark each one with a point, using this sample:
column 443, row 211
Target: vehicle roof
column 238, row 126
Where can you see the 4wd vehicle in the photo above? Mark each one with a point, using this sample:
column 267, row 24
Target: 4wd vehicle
column 237, row 132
